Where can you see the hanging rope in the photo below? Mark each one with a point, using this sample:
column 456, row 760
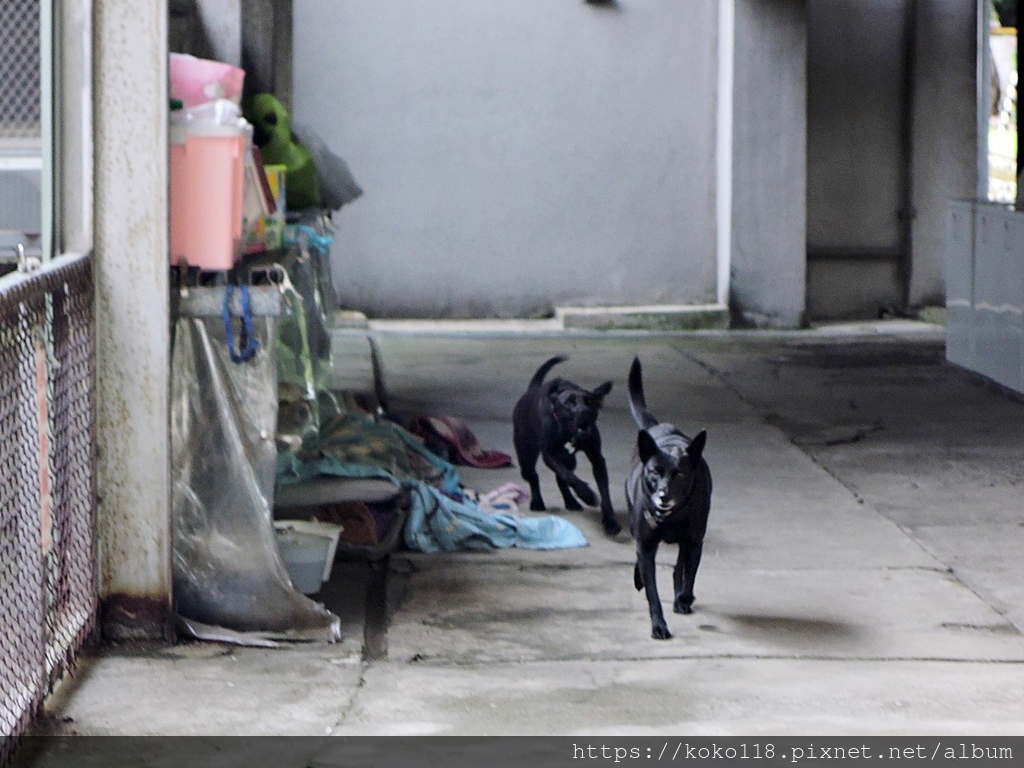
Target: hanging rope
column 247, row 338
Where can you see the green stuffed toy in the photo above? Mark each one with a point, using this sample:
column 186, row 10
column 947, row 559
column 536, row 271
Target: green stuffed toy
column 272, row 133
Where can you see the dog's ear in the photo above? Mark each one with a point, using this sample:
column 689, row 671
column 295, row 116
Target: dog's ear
column 603, row 390
column 646, row 447
column 696, row 446
column 554, row 389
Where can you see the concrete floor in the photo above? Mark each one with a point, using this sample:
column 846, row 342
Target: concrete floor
column 862, row 570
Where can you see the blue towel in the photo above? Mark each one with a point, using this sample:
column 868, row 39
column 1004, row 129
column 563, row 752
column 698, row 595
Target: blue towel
column 437, row 522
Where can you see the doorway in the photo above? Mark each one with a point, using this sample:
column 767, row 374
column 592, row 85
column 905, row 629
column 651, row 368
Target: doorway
column 859, row 75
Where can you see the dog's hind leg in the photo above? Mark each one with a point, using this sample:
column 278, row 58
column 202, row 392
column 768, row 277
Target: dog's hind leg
column 684, row 575
column 645, row 573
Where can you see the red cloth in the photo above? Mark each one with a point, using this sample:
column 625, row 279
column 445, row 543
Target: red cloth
column 462, row 445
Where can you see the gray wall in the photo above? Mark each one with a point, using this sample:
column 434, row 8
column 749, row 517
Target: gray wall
column 856, row 90
column 857, row 156
column 516, row 156
column 769, row 163
column 891, row 139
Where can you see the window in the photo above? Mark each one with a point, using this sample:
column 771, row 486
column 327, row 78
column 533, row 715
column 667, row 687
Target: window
column 21, row 102
column 1001, row 107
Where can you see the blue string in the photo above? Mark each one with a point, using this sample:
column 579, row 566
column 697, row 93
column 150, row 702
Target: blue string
column 247, row 337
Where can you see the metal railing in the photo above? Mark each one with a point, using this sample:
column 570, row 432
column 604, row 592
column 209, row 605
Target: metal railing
column 48, row 572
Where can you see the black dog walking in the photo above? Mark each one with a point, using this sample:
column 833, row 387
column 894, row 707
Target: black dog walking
column 668, row 492
column 554, row 420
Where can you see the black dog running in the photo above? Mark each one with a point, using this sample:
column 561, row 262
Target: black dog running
column 554, row 420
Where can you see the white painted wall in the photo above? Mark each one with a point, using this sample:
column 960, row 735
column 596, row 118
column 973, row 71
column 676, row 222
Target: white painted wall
column 521, row 156
column 517, row 156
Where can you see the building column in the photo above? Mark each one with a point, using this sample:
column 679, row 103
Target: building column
column 132, row 316
column 944, row 126
column 769, row 164
column 267, row 48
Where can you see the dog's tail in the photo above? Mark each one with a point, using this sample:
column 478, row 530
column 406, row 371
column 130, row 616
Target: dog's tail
column 538, row 377
column 637, row 404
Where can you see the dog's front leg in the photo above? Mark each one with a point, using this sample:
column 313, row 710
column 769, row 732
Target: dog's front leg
column 528, row 455
column 600, row 468
column 556, row 463
column 568, row 499
column 645, row 566
column 536, row 500
column 685, row 574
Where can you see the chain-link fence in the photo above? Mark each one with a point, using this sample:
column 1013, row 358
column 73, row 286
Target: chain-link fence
column 19, row 71
column 48, row 579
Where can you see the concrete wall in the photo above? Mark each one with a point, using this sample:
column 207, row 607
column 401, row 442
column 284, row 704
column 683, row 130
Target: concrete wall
column 891, row 139
column 525, row 156
column 985, row 291
column 517, row 156
column 856, row 88
column 769, row 163
column 858, row 175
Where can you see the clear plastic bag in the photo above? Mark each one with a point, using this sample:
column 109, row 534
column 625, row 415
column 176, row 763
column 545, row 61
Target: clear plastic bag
column 228, row 573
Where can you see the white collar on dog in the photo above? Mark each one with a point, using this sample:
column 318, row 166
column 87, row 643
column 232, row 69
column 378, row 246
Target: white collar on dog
column 654, row 519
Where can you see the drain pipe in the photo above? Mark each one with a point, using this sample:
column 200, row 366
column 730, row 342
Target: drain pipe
column 907, row 213
column 723, row 145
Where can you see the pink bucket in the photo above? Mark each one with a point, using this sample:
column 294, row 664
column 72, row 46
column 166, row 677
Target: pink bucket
column 195, row 80
column 206, row 175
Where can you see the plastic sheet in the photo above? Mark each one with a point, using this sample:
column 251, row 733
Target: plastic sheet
column 338, row 186
column 228, row 573
column 304, row 339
